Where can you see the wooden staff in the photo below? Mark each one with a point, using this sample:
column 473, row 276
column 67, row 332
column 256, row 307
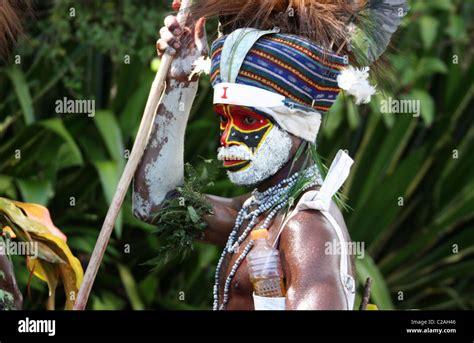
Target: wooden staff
column 139, row 146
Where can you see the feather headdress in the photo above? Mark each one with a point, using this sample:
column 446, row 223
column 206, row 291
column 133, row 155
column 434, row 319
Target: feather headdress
column 360, row 29
column 12, row 14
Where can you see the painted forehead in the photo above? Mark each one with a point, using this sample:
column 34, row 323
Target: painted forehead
column 237, row 110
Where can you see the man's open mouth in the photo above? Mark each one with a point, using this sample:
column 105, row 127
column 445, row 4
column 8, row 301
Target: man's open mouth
column 234, row 158
column 235, row 165
column 232, row 163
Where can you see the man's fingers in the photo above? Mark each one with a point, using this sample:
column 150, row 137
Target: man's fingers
column 200, row 38
column 173, row 36
column 162, row 47
column 173, row 26
column 176, row 5
column 169, row 38
column 200, row 29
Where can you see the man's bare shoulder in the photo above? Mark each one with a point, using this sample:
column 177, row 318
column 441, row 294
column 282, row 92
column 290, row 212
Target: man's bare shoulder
column 310, row 228
column 309, row 239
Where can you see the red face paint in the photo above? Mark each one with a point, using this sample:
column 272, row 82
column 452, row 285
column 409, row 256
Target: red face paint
column 241, row 126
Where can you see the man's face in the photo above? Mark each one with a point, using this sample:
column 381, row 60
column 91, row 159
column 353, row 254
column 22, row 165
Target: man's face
column 253, row 147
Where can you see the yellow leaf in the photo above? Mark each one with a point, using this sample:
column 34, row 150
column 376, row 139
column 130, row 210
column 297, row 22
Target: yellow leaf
column 371, row 307
column 37, row 226
column 41, row 215
column 48, row 273
column 8, row 230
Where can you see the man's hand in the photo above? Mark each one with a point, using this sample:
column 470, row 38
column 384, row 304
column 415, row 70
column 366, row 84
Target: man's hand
column 187, row 43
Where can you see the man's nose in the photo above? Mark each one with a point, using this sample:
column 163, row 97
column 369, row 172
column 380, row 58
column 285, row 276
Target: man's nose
column 225, row 135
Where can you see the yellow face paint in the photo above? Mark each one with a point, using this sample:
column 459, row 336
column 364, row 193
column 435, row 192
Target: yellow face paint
column 241, row 126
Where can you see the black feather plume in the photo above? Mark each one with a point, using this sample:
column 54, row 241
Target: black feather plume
column 373, row 26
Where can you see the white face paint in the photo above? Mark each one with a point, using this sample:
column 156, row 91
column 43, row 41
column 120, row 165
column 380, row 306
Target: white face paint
column 272, row 154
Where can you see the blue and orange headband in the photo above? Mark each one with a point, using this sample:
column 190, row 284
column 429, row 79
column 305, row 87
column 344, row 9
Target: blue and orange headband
column 286, row 76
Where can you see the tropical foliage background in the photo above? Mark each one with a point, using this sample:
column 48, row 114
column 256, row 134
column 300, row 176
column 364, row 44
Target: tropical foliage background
column 411, row 189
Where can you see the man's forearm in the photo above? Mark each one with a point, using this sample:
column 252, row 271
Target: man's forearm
column 161, row 169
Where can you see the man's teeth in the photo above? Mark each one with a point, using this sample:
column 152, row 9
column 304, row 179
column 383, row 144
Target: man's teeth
column 226, row 155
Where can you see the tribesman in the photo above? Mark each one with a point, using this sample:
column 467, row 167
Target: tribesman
column 276, row 68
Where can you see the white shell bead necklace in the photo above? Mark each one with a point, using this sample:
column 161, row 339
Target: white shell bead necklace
column 274, row 198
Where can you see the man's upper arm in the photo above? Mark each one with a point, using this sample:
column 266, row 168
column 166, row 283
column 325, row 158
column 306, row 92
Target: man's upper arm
column 311, row 269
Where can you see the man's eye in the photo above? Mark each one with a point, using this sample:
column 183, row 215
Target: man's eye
column 249, row 120
column 224, row 119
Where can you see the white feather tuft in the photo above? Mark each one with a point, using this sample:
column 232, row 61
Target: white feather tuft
column 201, row 65
column 356, row 82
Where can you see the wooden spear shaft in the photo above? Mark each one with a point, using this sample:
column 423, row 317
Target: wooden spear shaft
column 139, row 146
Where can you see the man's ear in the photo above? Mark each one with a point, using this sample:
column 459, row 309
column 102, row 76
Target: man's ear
column 295, row 144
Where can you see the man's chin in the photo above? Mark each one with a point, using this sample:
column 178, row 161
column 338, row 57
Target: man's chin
column 236, row 166
column 247, row 176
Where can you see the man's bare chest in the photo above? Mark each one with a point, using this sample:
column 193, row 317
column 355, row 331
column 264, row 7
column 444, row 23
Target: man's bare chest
column 235, row 270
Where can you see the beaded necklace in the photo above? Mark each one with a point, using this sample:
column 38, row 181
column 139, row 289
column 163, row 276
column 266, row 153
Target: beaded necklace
column 274, row 198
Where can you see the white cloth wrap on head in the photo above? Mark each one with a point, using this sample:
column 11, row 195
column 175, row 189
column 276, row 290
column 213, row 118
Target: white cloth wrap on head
column 301, row 123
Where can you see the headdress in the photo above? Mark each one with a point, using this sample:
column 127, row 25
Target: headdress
column 12, row 13
column 290, row 59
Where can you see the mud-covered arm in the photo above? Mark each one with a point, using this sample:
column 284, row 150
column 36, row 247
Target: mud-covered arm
column 161, row 168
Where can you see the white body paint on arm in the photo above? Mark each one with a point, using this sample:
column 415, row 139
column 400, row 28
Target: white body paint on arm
column 162, row 165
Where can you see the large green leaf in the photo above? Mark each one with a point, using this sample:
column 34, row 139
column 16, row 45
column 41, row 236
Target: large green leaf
column 384, row 207
column 429, row 29
column 380, row 294
column 112, row 136
column 131, row 113
column 57, row 126
column 109, row 177
column 450, row 251
column 35, row 191
column 429, row 66
column 130, row 287
column 428, row 236
column 375, row 163
column 23, row 92
column 427, row 105
column 333, row 118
